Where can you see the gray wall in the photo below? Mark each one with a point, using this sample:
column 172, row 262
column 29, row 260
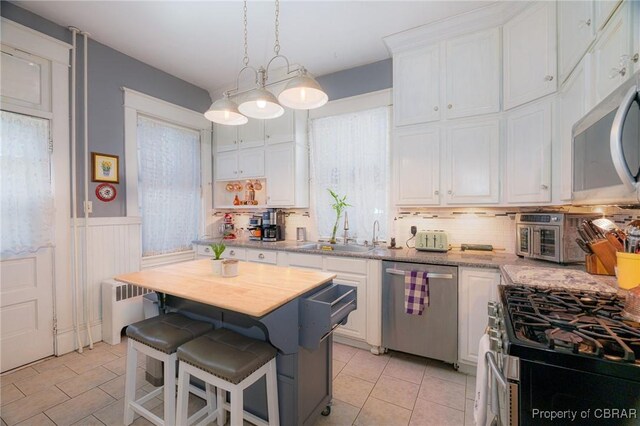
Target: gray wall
column 109, row 70
column 358, row 80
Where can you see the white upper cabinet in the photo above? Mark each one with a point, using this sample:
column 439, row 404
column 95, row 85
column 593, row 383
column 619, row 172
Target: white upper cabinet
column 576, row 31
column 473, row 74
column 416, row 166
column 604, row 9
column 416, row 86
column 572, row 106
column 529, row 46
column 528, row 164
column 251, row 135
column 473, row 162
column 612, row 53
column 251, row 163
column 280, row 174
column 280, row 129
column 226, row 137
column 226, row 165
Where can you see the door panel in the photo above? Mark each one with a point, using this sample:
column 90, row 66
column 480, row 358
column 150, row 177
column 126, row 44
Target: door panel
column 356, row 326
column 280, row 129
column 251, row 163
column 416, row 159
column 227, row 165
column 226, row 137
column 576, row 31
column 251, row 135
column 280, row 163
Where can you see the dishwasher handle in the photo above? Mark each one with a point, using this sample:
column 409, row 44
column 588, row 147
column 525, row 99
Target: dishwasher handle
column 429, row 275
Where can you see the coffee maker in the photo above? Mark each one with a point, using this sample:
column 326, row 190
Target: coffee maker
column 273, row 225
column 255, row 227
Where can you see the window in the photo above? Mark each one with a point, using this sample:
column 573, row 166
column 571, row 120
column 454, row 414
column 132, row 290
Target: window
column 168, row 185
column 350, row 155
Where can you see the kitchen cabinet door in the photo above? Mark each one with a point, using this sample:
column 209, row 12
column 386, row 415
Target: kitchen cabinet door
column 356, row 326
column 473, row 74
column 473, row 162
column 280, row 129
column 226, row 137
column 476, row 288
column 573, row 104
column 226, row 167
column 528, row 166
column 603, row 10
column 416, row 86
column 576, row 31
column 612, row 53
column 251, row 135
column 416, row 166
column 529, row 46
column 251, row 163
column 280, row 174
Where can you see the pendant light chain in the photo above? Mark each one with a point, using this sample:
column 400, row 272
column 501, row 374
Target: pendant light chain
column 276, row 47
column 245, row 60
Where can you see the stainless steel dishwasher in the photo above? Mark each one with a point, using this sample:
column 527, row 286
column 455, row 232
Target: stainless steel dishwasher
column 434, row 334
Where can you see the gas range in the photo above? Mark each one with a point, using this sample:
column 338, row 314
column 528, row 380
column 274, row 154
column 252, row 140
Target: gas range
column 560, row 349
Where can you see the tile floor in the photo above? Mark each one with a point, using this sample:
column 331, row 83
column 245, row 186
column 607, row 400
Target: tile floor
column 88, row 389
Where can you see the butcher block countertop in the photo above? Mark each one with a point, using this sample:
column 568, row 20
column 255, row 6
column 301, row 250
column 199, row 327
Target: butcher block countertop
column 257, row 290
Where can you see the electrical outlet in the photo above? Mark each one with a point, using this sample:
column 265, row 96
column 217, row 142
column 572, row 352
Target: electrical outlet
column 414, row 230
column 88, row 207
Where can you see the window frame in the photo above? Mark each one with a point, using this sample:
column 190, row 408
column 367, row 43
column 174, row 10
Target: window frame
column 137, row 103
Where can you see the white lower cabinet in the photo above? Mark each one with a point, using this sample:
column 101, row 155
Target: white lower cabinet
column 476, row 288
column 262, row 256
column 204, row 251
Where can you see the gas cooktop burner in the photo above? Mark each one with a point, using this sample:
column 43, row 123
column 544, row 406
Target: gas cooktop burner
column 578, row 322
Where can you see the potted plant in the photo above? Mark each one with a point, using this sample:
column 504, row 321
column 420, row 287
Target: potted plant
column 339, row 205
column 218, row 249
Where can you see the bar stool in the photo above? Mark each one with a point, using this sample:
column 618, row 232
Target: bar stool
column 231, row 362
column 158, row 337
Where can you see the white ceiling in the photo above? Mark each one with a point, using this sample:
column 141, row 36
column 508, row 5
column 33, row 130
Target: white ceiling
column 201, row 42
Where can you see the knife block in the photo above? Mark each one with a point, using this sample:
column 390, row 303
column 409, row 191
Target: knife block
column 595, row 266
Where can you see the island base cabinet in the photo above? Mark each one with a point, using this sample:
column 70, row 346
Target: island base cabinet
column 476, row 288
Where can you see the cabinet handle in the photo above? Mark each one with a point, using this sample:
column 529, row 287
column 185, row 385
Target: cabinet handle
column 241, row 141
column 235, row 142
column 268, row 136
column 449, row 106
column 548, row 78
column 450, row 192
column 235, row 172
column 635, row 58
column 615, row 72
column 436, row 192
column 584, row 23
column 545, row 187
column 207, row 249
column 232, row 253
column 435, row 108
column 261, row 256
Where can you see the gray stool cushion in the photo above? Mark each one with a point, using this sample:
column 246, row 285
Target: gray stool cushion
column 166, row 332
column 226, row 354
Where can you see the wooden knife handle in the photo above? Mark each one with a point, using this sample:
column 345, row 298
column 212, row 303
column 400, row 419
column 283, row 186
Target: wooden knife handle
column 606, row 252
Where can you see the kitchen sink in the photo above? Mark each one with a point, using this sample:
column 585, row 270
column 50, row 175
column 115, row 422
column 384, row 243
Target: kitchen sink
column 336, row 247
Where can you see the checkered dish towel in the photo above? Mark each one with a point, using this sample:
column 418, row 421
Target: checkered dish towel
column 416, row 291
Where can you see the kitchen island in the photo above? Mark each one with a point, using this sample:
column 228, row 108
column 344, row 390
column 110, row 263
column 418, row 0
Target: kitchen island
column 293, row 309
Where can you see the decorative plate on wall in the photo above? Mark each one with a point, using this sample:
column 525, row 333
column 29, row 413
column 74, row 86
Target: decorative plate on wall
column 106, row 192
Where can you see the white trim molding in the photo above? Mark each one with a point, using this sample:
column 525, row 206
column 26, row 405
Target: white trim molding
column 354, row 103
column 34, row 42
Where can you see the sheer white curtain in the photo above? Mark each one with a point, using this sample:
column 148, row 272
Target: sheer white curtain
column 169, row 186
column 350, row 155
column 26, row 197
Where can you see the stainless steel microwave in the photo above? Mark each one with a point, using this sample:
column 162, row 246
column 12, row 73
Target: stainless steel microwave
column 606, row 149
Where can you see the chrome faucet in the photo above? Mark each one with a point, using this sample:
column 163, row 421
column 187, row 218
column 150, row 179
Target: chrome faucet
column 345, row 236
column 374, row 239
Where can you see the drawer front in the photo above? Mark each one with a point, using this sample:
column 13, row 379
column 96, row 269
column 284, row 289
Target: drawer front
column 202, row 250
column 343, row 264
column 235, row 253
column 262, row 256
column 305, row 260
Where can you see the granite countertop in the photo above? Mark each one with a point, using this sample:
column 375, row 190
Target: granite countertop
column 538, row 276
column 476, row 259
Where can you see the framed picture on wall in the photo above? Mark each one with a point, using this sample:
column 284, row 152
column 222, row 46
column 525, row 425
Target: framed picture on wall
column 105, row 168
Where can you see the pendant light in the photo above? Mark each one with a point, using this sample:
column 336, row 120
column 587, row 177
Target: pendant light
column 301, row 92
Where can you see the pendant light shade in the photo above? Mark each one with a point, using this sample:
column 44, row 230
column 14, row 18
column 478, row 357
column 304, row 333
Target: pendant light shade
column 260, row 103
column 303, row 92
column 225, row 111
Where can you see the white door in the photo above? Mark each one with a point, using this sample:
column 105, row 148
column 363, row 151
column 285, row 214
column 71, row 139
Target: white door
column 611, row 64
column 529, row 46
column 280, row 129
column 476, row 289
column 572, row 106
column 356, row 326
column 528, row 166
column 26, row 264
column 416, row 166
column 251, row 135
column 576, row 31
column 604, row 9
column 226, row 165
column 280, row 174
column 416, row 86
column 473, row 162
column 226, row 137
column 251, row 163
column 473, row 74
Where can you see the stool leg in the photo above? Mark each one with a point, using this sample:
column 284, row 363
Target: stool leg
column 237, row 407
column 130, row 382
column 170, row 391
column 221, row 400
column 182, row 413
column 211, row 398
column 272, row 394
